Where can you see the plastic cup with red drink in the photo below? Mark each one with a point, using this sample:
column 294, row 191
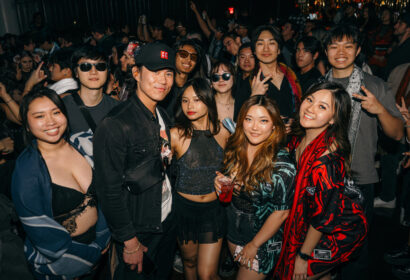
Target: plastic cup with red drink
column 227, row 185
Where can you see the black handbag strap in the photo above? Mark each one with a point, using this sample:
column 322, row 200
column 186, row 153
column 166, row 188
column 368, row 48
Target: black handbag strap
column 84, row 111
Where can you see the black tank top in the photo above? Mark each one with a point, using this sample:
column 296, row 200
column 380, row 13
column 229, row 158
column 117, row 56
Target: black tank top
column 196, row 168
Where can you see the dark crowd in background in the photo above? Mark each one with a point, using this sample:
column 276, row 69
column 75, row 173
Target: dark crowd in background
column 221, row 55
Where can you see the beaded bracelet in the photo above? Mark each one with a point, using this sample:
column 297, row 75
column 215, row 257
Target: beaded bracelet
column 132, row 251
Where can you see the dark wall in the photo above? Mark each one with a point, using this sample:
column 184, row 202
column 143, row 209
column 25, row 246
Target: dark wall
column 61, row 14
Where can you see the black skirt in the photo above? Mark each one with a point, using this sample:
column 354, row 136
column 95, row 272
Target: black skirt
column 200, row 222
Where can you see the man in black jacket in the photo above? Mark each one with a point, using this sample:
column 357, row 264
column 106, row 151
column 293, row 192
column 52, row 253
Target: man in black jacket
column 132, row 152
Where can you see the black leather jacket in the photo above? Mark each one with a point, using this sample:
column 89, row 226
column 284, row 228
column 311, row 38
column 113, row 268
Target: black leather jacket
column 129, row 170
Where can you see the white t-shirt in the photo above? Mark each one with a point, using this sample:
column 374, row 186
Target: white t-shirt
column 166, row 185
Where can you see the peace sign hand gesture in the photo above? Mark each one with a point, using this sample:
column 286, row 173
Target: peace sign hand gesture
column 260, row 87
column 369, row 102
column 404, row 111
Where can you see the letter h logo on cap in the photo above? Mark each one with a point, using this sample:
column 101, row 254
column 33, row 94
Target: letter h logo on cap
column 164, row 55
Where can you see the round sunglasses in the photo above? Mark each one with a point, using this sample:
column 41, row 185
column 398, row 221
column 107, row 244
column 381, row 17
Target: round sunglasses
column 216, row 77
column 185, row 54
column 85, row 67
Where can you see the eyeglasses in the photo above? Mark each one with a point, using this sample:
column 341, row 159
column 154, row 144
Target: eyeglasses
column 185, row 54
column 216, row 77
column 85, row 67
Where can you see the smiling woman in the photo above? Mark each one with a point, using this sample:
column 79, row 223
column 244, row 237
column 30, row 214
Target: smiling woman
column 53, row 194
column 263, row 174
column 314, row 242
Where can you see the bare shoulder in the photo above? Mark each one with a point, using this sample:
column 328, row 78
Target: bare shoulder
column 174, row 133
column 176, row 136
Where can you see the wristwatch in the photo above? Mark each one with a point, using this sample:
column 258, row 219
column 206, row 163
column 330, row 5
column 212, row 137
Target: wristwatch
column 304, row 257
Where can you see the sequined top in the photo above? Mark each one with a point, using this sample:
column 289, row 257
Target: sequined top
column 196, row 168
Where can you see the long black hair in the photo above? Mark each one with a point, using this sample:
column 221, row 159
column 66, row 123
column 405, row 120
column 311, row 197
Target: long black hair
column 340, row 128
column 24, row 108
column 205, row 94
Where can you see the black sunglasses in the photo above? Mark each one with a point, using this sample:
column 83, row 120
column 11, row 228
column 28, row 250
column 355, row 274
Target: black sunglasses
column 225, row 77
column 85, row 67
column 185, row 54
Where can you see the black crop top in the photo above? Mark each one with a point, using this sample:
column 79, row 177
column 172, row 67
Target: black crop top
column 196, row 168
column 67, row 205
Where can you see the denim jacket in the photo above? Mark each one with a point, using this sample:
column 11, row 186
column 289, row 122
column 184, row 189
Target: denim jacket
column 129, row 137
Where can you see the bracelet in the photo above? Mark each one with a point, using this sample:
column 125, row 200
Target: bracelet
column 133, row 251
column 11, row 99
column 304, row 257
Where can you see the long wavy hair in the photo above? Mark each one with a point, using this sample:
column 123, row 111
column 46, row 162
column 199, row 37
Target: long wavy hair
column 205, row 94
column 337, row 133
column 236, row 159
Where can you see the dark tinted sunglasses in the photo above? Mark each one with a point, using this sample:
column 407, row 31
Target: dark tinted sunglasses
column 85, row 67
column 185, row 54
column 216, row 77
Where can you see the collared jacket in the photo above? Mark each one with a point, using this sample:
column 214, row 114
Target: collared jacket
column 127, row 140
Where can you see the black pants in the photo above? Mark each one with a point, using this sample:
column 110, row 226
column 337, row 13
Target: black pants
column 161, row 250
column 389, row 163
column 358, row 269
column 405, row 194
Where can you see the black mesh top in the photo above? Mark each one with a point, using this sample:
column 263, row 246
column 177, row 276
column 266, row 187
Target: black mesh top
column 196, row 168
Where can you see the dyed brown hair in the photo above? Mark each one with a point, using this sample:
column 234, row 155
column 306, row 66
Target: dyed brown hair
column 236, row 160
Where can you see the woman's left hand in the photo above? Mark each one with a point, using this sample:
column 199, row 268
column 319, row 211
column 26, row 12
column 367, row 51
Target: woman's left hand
column 300, row 271
column 246, row 256
column 106, row 248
